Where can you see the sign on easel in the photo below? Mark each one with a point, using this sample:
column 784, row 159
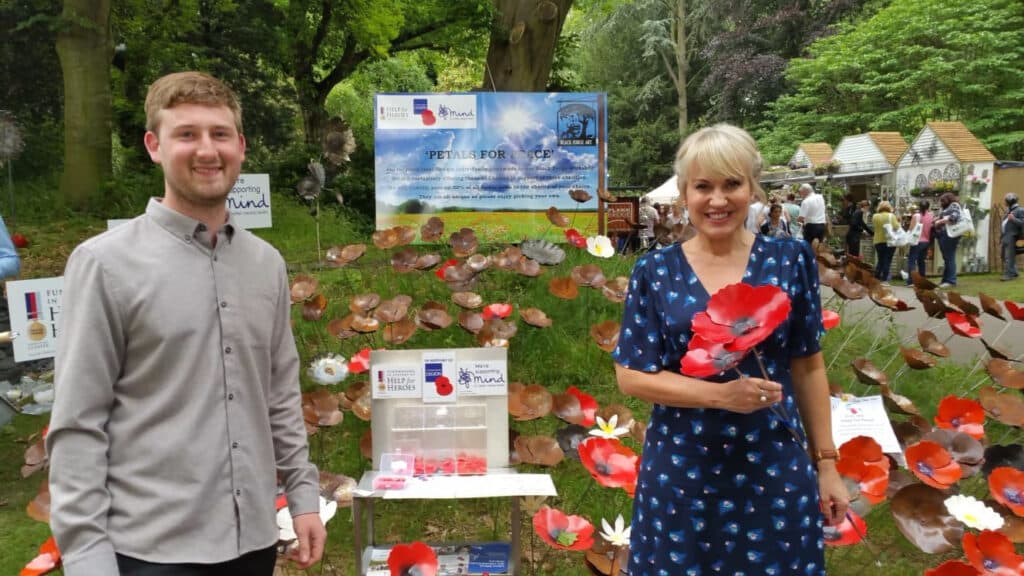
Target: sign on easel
column 34, row 306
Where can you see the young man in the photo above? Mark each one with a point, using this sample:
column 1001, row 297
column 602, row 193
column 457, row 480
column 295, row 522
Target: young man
column 1012, row 230
column 812, row 214
column 177, row 397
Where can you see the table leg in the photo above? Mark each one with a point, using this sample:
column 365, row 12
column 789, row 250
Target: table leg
column 514, row 554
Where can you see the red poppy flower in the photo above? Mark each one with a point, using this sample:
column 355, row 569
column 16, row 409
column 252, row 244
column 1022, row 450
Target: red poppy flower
column 863, row 449
column 741, row 316
column 45, row 562
column 933, row 465
column 403, row 559
column 588, row 405
column 953, row 568
column 1007, row 486
column 992, row 552
column 963, row 324
column 360, row 362
column 443, row 385
column 704, row 358
column 19, row 240
column 280, row 502
column 574, row 238
column 851, row 530
column 963, row 415
column 498, row 309
column 562, row 531
column 447, row 264
column 829, row 318
column 610, row 462
column 1015, row 310
column 872, row 481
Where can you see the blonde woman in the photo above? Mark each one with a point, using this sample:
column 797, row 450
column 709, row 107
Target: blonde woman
column 883, row 252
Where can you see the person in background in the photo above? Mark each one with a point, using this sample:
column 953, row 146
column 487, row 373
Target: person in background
column 648, row 219
column 812, row 214
column 775, row 226
column 793, row 215
column 723, row 486
column 177, row 404
column 949, row 214
column 1012, row 231
column 919, row 250
column 10, row 262
column 883, row 252
column 848, row 209
column 756, row 214
column 857, row 229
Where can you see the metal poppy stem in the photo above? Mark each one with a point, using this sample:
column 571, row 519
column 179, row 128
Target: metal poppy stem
column 977, row 363
column 863, row 538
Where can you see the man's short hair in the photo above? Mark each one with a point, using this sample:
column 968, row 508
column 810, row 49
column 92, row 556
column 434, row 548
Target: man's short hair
column 806, row 189
column 189, row 88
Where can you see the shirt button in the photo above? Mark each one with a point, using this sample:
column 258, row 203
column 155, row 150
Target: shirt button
column 227, row 350
column 223, row 304
column 234, row 445
column 188, row 238
column 231, row 396
column 238, row 492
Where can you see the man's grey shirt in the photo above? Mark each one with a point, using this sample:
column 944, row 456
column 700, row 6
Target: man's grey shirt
column 177, row 397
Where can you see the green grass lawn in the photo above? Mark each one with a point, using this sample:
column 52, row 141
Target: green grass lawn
column 557, row 357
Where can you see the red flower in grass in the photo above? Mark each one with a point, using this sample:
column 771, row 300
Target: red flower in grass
column 871, row 480
column 952, row 568
column 45, row 562
column 360, row 362
column 963, row 415
column 1007, row 486
column 992, row 553
column 829, row 318
column 863, row 449
column 447, row 264
column 1015, row 310
column 847, row 532
column 704, row 358
column 588, row 405
column 574, row 238
column 933, row 465
column 610, row 462
column 963, row 324
column 741, row 316
column 403, row 559
column 562, row 531
column 498, row 309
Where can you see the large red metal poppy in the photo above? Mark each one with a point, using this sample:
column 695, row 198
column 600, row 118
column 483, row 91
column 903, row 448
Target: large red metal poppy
column 1015, row 310
column 963, row 415
column 963, row 325
column 588, row 405
column 563, row 531
column 741, row 316
column 829, row 318
column 705, row 358
column 872, row 481
column 497, row 310
column 1007, row 486
column 851, row 530
column 863, row 449
column 403, row 559
column 953, row 568
column 992, row 552
column 45, row 562
column 933, row 465
column 610, row 462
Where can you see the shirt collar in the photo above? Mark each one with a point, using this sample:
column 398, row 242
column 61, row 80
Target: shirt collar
column 180, row 225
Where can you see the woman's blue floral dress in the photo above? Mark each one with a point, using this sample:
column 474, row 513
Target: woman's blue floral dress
column 721, row 492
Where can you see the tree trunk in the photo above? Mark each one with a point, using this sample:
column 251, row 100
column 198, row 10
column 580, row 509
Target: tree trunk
column 682, row 65
column 523, row 43
column 314, row 115
column 84, row 48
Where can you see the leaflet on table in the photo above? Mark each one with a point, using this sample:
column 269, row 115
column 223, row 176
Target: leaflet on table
column 864, row 416
column 483, row 378
column 486, row 486
column 454, row 559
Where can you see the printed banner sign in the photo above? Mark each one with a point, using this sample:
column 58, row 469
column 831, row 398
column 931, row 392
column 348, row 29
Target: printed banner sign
column 865, row 416
column 397, row 381
column 483, row 378
column 439, row 377
column 491, row 161
column 34, row 307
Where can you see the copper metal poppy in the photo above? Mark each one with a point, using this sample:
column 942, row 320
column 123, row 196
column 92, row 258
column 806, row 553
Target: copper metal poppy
column 930, row 343
column 990, row 305
column 638, row 430
column 607, row 196
column 616, row 289
column 364, row 324
column 468, row 300
column 529, row 402
column 35, row 456
column 966, row 307
column 564, row 288
column 303, row 287
column 385, row 239
column 460, row 277
column 623, row 415
column 828, row 276
column 528, row 267
column 886, row 298
column 579, row 194
column 39, row 507
column 961, row 414
column 392, row 310
column 827, row 259
column 995, row 351
column 539, row 450
column 917, row 359
column 471, row 322
column 610, row 462
column 991, row 552
column 868, row 373
column 341, row 328
column 922, row 283
column 400, row 331
column 966, row 451
column 338, row 256
column 934, row 306
column 567, row 407
column 588, row 275
column 921, row 515
column 508, row 258
column 362, row 303
column 432, row 229
column 404, row 260
column 478, row 263
column 933, row 464
column 535, row 317
column 606, row 335
column 464, row 242
column 320, row 407
column 605, row 560
column 427, row 261
column 433, row 316
column 898, row 403
column 1003, row 372
column 496, row 333
column 313, row 309
column 556, row 218
column 337, row 487
column 1005, row 407
column 362, row 407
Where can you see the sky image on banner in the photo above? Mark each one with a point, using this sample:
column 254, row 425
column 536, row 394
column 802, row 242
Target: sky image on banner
column 491, row 161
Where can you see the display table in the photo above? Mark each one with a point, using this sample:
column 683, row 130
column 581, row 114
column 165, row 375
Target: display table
column 500, row 483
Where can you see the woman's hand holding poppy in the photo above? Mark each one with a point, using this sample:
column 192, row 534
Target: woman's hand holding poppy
column 746, row 395
column 834, row 497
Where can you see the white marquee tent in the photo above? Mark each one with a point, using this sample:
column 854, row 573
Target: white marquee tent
column 667, row 193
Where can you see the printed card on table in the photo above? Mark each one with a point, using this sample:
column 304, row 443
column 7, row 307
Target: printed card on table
column 397, row 381
column 483, row 378
column 439, row 377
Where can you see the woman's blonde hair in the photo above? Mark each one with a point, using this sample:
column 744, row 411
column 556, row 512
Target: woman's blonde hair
column 723, row 150
column 884, row 206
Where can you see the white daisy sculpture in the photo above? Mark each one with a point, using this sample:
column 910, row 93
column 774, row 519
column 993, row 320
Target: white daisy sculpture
column 329, row 369
column 973, row 512
column 600, row 246
column 617, row 537
column 609, row 429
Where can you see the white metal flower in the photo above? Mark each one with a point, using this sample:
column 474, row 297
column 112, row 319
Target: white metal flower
column 329, row 369
column 973, row 512
column 609, row 429
column 600, row 246
column 617, row 537
column 287, row 527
